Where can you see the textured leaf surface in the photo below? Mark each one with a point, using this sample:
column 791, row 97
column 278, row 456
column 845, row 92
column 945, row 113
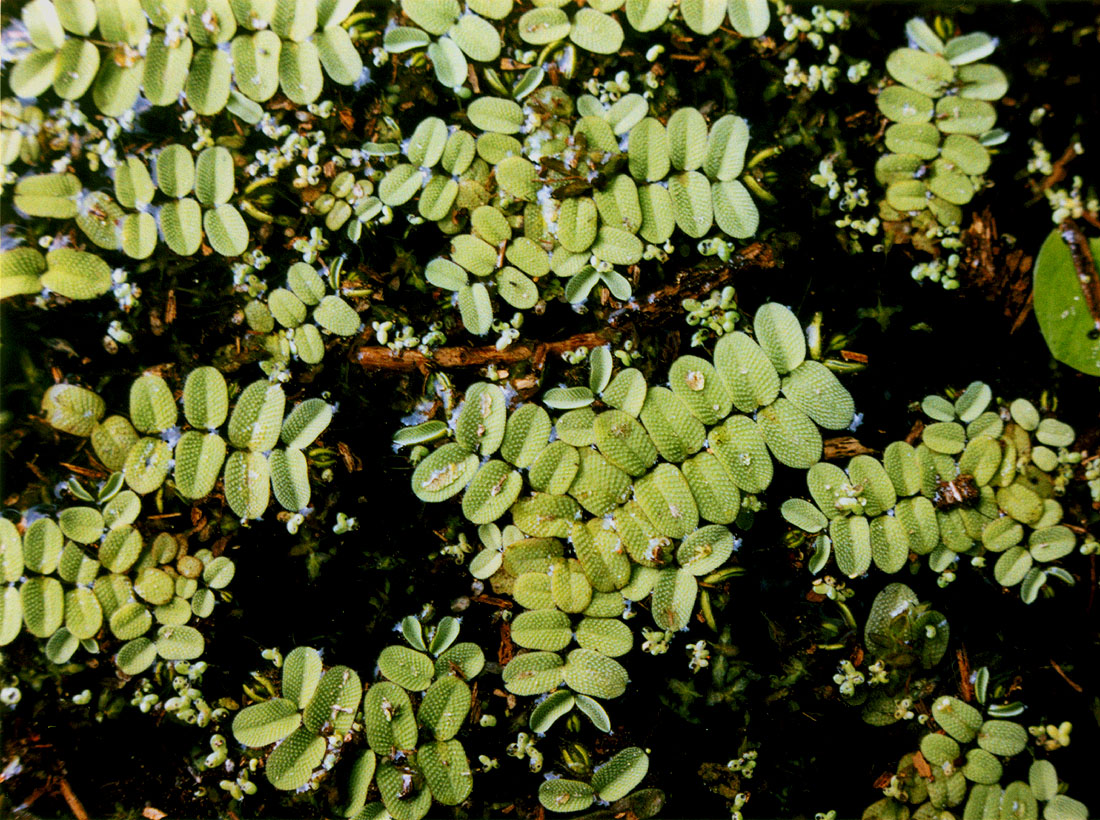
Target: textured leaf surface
column 608, row 636
column 332, row 708
column 400, row 803
column 179, row 643
column 444, row 707
column 960, row 720
column 546, row 629
column 534, row 673
column 566, row 795
column 444, row 473
column 446, row 770
column 746, row 371
column 674, row 598
column 301, row 674
column 267, row 722
column 289, row 767
column 620, row 775
column 675, row 432
column 389, row 718
column 406, row 667
column 592, row 673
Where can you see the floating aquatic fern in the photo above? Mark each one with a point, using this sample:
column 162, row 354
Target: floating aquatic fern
column 591, row 188
column 942, row 776
column 216, row 54
column 412, row 757
column 106, row 574
column 983, row 482
column 625, row 488
column 91, row 570
column 592, row 499
column 454, row 33
column 942, row 117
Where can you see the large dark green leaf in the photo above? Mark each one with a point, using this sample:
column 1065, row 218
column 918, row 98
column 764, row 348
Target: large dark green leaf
column 1069, row 319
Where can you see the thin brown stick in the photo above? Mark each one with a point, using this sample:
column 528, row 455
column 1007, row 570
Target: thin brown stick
column 84, row 471
column 33, row 798
column 965, row 685
column 1077, row 687
column 665, row 302
column 652, row 309
column 915, row 433
column 1025, row 311
column 75, row 806
column 1057, row 173
column 377, row 357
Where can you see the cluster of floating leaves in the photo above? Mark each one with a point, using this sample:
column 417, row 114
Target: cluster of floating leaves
column 591, row 188
column 453, row 34
column 611, row 782
column 902, row 634
column 134, row 219
column 71, row 273
column 145, row 446
column 942, row 122
column 315, row 710
column 117, row 580
column 217, row 54
column 347, row 197
column 551, row 183
column 304, row 296
column 206, row 56
column 983, row 481
column 629, row 488
column 962, row 764
column 411, row 717
column 89, row 569
column 621, row 486
column 413, row 755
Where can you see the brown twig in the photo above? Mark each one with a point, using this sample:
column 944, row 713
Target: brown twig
column 377, row 357
column 1057, row 173
column 41, row 476
column 915, row 433
column 650, row 310
column 844, row 447
column 507, row 649
column 666, row 302
column 965, row 686
column 75, row 806
column 33, row 798
column 1025, row 311
column 1076, row 686
column 84, row 471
